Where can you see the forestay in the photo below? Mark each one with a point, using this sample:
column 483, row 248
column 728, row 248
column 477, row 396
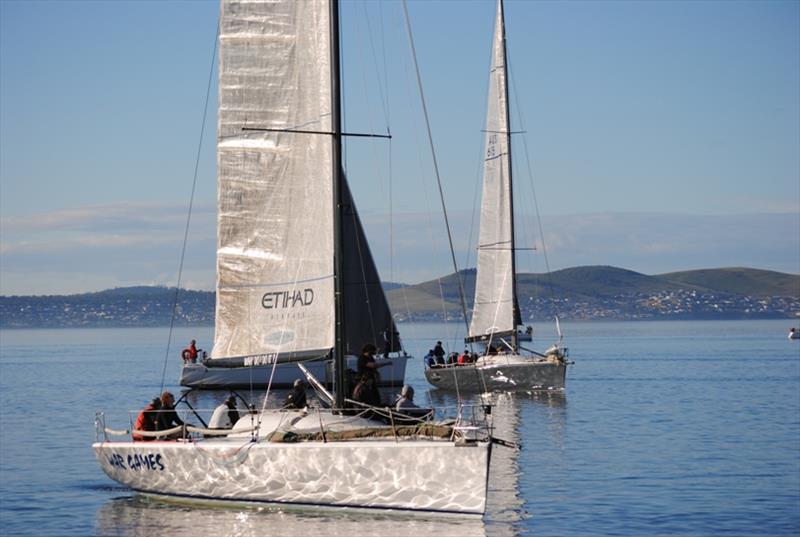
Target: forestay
column 494, row 309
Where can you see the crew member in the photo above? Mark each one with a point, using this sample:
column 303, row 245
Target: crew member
column 297, row 397
column 189, row 354
column 147, row 420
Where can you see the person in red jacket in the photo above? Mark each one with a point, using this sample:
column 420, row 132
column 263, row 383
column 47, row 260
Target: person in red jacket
column 189, row 354
column 147, row 420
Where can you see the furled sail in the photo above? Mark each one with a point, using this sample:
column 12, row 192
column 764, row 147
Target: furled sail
column 275, row 288
column 494, row 309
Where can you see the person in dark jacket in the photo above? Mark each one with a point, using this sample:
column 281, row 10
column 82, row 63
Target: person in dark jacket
column 297, row 397
column 366, row 392
column 168, row 418
column 367, row 366
column 438, row 352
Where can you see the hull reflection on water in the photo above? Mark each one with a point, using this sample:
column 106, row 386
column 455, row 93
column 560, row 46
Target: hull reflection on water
column 138, row 517
column 504, row 501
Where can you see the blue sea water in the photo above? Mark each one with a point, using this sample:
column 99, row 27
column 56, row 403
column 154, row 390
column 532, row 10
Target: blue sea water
column 665, row 428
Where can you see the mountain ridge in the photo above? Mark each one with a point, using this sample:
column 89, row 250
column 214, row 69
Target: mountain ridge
column 586, row 292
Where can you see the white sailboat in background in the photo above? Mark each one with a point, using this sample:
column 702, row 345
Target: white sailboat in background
column 274, row 253
column 288, row 177
column 496, row 316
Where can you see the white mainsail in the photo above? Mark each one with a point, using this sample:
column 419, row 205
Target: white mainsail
column 494, row 309
column 275, row 286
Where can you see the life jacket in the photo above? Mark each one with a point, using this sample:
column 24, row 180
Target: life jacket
column 189, row 353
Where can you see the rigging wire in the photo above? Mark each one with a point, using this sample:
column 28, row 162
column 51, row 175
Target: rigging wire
column 549, row 277
column 435, row 164
column 191, row 205
column 363, row 250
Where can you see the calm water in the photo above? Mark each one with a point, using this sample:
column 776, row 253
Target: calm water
column 665, row 428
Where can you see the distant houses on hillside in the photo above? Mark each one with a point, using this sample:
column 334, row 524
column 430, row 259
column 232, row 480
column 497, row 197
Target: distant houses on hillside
column 623, row 295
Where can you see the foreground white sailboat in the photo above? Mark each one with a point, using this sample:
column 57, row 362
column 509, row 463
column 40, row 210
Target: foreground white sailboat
column 284, row 295
column 317, row 459
column 496, row 316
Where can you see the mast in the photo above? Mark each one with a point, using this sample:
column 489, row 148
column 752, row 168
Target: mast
column 338, row 208
column 514, row 303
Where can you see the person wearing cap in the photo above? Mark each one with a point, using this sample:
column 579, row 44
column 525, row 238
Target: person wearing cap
column 297, row 397
column 406, row 399
column 147, row 420
column 168, row 418
column 225, row 415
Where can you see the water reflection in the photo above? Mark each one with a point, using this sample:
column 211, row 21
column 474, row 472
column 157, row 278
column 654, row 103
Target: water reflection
column 504, row 503
column 139, row 517
column 549, row 398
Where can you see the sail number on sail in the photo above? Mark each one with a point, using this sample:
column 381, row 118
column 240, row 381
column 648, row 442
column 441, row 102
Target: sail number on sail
column 491, row 149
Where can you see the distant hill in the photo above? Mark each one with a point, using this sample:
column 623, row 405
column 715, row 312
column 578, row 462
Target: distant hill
column 604, row 289
column 740, row 281
column 592, row 292
column 125, row 306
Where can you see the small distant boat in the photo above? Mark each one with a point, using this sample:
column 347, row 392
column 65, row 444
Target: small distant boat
column 794, row 333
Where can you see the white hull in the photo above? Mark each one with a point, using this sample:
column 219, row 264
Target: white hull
column 202, row 376
column 433, row 475
column 511, row 372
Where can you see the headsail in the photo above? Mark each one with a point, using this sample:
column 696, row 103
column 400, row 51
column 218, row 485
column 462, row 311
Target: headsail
column 494, row 310
column 369, row 319
column 275, row 237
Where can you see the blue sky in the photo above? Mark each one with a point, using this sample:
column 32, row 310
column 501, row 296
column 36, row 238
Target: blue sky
column 661, row 136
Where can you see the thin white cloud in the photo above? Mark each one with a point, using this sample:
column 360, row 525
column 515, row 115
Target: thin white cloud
column 78, row 243
column 55, row 260
column 100, row 217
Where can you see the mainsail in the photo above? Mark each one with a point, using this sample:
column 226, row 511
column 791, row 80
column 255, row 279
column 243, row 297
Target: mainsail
column 275, row 252
column 495, row 310
column 275, row 289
